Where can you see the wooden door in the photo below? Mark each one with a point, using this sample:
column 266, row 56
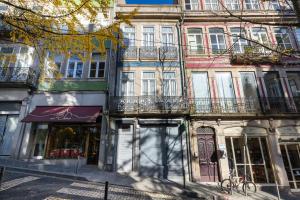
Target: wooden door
column 208, row 160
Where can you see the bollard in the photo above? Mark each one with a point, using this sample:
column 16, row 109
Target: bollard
column 2, row 169
column 106, row 190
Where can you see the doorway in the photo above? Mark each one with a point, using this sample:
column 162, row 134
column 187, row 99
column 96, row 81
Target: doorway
column 93, row 144
column 208, row 159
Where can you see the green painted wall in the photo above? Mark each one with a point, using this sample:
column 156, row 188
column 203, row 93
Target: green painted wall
column 68, row 85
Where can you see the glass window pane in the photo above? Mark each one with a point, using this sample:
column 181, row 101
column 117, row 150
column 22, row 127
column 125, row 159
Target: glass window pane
column 79, row 70
column 71, row 69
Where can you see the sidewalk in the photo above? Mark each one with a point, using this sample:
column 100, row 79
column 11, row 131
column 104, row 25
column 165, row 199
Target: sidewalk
column 92, row 173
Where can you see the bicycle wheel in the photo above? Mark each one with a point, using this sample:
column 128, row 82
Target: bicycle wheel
column 225, row 185
column 250, row 186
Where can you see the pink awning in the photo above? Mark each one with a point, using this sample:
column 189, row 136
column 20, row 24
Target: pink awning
column 85, row 114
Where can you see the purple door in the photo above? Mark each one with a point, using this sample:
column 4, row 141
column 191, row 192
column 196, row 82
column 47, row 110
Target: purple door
column 208, row 160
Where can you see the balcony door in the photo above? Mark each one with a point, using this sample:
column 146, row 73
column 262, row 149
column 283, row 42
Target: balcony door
column 202, row 99
column 8, row 134
column 250, row 92
column 226, row 101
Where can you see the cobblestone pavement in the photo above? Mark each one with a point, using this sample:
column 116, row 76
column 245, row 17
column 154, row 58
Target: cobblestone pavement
column 17, row 186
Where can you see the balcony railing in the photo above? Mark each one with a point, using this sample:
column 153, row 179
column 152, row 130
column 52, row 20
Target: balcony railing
column 148, row 104
column 148, row 53
column 224, row 105
column 129, row 53
column 24, row 75
column 227, row 106
column 275, row 105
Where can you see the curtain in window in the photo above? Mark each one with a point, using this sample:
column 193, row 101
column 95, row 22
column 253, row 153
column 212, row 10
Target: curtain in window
column 201, row 91
column 169, row 84
column 226, row 92
column 148, row 36
column 127, row 84
column 148, row 83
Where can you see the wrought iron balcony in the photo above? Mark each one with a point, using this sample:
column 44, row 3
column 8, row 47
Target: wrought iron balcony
column 168, row 53
column 148, row 53
column 22, row 75
column 129, row 53
column 148, row 104
column 277, row 105
column 224, row 105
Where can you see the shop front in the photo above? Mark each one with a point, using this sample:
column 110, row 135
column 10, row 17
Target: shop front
column 66, row 133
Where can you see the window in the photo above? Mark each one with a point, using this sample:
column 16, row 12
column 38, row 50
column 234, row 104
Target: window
column 232, row 4
column 249, row 85
column 261, row 36
column 201, row 92
column 191, row 4
column 274, row 5
column 226, row 92
column 283, row 38
column 239, row 44
column 148, row 36
column 97, row 66
column 54, row 63
column 148, row 83
column 252, row 4
column 127, row 84
column 273, row 85
column 129, row 36
column 195, row 41
column 297, row 33
column 249, row 153
column 167, row 36
column 75, row 67
column 211, row 4
column 217, row 40
column 169, row 84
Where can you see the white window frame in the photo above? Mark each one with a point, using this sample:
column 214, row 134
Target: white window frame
column 252, row 5
column 217, row 40
column 121, row 84
column 169, row 82
column 283, row 37
column 129, row 35
column 194, row 4
column 97, row 66
column 211, row 4
column 75, row 68
column 147, row 35
column 148, row 81
column 169, row 36
column 59, row 67
column 232, row 4
column 274, row 5
column 260, row 40
column 240, row 41
column 198, row 45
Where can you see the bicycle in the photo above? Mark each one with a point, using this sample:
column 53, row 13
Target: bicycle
column 234, row 182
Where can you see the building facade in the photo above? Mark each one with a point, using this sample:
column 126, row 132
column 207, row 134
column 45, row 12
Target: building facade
column 244, row 108
column 147, row 104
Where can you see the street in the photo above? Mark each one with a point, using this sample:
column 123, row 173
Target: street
column 18, row 185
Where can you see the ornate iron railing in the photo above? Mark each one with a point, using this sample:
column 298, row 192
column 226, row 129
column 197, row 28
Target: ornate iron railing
column 148, row 53
column 168, row 53
column 148, row 104
column 278, row 105
column 24, row 75
column 129, row 53
column 224, row 105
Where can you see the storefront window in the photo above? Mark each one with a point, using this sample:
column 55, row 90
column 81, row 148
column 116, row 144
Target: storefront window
column 40, row 141
column 251, row 159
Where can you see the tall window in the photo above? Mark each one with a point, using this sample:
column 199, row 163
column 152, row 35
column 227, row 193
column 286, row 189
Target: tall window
column 252, row 4
column 201, row 92
column 249, row 85
column 226, row 94
column 169, row 84
column 75, row 67
column 261, row 36
column 283, row 38
column 54, row 63
column 148, row 83
column 297, row 33
column 127, row 84
column 273, row 85
column 129, row 36
column 148, row 36
column 211, row 4
column 191, row 4
column 97, row 66
column 195, row 41
column 167, row 36
column 274, row 5
column 7, row 60
column 237, row 35
column 232, row 4
column 217, row 40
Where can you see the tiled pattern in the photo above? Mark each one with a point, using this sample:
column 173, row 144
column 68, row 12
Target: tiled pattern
column 15, row 182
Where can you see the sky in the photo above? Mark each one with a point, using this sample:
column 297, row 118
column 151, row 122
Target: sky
column 149, row 1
